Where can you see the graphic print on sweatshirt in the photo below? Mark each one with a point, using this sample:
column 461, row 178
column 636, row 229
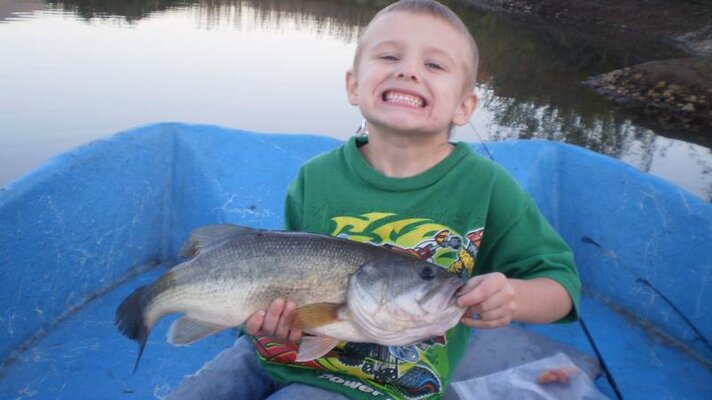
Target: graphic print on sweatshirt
column 402, row 371
column 421, row 237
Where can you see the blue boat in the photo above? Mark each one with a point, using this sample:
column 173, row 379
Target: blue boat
column 79, row 233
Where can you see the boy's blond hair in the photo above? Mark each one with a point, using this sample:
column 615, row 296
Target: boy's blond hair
column 437, row 10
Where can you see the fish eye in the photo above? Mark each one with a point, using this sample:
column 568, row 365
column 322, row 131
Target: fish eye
column 427, row 273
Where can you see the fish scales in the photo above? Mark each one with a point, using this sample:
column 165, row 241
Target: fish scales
column 293, row 268
column 346, row 290
column 242, row 275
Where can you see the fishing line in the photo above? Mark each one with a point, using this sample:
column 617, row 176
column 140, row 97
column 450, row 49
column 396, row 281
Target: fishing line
column 482, row 142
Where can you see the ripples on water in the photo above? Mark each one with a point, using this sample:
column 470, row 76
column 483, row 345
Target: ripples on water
column 74, row 71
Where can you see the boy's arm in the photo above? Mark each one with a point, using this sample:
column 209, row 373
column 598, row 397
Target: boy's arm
column 493, row 300
column 527, row 271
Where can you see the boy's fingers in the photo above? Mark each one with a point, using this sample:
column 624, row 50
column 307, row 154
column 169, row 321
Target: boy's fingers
column 254, row 323
column 499, row 301
column 295, row 335
column 488, row 303
column 274, row 312
column 480, row 323
column 283, row 324
column 469, row 285
column 477, row 291
column 474, row 292
column 495, row 314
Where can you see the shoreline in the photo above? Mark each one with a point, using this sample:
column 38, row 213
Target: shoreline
column 669, row 94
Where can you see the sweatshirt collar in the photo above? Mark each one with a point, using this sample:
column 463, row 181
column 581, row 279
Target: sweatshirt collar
column 426, row 178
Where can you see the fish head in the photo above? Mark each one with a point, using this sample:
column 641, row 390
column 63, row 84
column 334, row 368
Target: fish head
column 404, row 301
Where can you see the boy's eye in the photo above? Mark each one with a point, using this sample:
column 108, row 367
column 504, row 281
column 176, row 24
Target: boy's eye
column 388, row 57
column 433, row 65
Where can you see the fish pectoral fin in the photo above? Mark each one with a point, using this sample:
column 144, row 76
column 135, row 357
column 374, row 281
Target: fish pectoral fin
column 209, row 235
column 187, row 331
column 315, row 315
column 314, row 347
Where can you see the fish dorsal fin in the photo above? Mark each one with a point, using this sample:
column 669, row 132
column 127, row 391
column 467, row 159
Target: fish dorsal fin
column 208, row 235
column 315, row 315
column 187, row 330
column 313, row 347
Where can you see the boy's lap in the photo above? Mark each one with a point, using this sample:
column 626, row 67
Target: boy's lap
column 236, row 373
column 301, row 391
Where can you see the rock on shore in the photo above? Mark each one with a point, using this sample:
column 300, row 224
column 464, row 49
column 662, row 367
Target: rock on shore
column 675, row 93
column 670, row 93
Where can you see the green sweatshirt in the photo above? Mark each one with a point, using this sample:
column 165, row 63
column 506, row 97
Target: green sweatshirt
column 465, row 214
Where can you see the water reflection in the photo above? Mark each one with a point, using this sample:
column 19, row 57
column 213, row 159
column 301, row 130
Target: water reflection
column 278, row 66
column 335, row 18
column 132, row 10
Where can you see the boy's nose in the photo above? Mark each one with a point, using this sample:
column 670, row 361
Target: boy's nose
column 411, row 76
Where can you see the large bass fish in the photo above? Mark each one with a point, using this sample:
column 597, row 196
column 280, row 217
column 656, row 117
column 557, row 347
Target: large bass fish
column 346, row 291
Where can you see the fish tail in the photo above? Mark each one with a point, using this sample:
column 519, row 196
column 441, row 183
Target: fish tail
column 130, row 322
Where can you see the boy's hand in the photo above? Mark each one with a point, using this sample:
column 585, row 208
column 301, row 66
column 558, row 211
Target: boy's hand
column 490, row 300
column 274, row 322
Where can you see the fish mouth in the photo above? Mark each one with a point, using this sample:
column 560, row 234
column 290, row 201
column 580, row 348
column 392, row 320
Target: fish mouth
column 444, row 295
column 452, row 298
column 404, row 98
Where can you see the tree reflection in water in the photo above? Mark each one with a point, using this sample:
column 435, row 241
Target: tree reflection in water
column 529, row 77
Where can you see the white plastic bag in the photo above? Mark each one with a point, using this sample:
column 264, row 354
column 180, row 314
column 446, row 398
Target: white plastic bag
column 522, row 383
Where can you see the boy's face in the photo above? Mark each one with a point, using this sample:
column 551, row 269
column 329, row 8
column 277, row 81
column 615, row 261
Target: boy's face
column 412, row 75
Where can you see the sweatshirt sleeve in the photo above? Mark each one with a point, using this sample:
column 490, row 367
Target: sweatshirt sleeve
column 294, row 204
column 520, row 243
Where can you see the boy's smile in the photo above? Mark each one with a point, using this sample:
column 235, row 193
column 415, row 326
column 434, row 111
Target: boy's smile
column 404, row 98
column 411, row 75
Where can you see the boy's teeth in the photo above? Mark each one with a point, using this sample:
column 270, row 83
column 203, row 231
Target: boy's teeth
column 404, row 99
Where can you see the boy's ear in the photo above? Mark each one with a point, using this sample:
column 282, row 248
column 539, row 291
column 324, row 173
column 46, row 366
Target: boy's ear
column 352, row 87
column 465, row 110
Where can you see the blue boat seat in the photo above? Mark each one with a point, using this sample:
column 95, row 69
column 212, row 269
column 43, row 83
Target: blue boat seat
column 81, row 232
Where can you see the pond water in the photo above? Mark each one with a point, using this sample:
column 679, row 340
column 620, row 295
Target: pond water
column 74, row 71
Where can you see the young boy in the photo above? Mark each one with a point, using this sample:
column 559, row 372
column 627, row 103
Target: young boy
column 406, row 187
